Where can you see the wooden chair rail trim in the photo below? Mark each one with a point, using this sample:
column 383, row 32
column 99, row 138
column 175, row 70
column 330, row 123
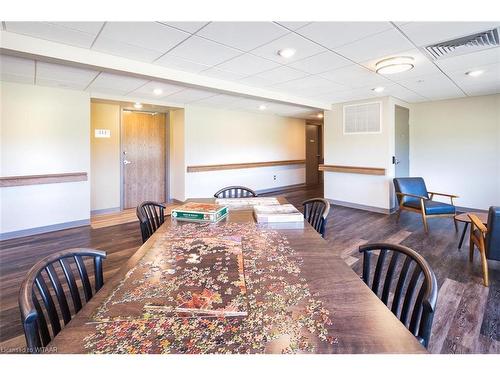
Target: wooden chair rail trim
column 351, row 169
column 221, row 167
column 42, row 179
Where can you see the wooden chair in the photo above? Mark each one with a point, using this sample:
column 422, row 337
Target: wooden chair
column 43, row 295
column 487, row 240
column 413, row 196
column 151, row 216
column 235, row 192
column 316, row 213
column 414, row 298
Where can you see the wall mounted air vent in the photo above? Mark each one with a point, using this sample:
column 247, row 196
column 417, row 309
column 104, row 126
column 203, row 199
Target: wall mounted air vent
column 363, row 118
column 466, row 44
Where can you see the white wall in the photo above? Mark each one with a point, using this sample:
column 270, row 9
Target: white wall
column 360, row 150
column 218, row 136
column 43, row 131
column 455, row 146
column 105, row 157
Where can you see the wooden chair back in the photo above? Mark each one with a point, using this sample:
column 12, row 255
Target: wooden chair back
column 151, row 216
column 404, row 281
column 235, row 192
column 316, row 212
column 43, row 297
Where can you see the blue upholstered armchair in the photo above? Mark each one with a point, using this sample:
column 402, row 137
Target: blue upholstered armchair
column 413, row 196
column 487, row 240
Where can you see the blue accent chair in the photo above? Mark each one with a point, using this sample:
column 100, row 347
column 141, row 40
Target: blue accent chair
column 487, row 240
column 413, row 196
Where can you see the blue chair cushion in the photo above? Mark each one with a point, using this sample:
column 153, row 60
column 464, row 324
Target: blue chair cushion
column 411, row 185
column 432, row 207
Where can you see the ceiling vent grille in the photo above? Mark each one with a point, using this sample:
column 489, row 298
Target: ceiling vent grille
column 466, row 44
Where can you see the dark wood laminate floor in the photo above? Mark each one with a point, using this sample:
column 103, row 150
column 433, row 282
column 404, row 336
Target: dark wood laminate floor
column 468, row 314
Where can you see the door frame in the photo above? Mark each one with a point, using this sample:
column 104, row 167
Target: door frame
column 167, row 155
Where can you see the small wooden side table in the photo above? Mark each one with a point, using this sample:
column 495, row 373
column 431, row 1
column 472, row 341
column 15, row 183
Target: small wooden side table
column 483, row 216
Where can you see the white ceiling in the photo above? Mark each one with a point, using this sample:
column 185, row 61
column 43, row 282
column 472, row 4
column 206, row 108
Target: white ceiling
column 334, row 62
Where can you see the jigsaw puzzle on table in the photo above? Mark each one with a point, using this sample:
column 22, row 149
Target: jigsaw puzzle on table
column 270, row 309
column 192, row 276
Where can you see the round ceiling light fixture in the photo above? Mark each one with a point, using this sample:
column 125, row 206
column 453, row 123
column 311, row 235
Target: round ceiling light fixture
column 158, row 91
column 319, row 115
column 137, row 105
column 286, row 52
column 394, row 65
column 378, row 89
column 262, row 107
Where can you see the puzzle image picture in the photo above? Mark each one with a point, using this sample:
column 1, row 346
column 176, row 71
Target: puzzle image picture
column 192, row 276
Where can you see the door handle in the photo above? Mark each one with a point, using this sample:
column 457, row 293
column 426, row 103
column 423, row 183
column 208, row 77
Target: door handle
column 125, row 162
column 395, row 160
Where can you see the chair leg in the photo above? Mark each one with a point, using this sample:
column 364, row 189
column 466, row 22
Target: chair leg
column 484, row 264
column 398, row 215
column 424, row 219
column 456, row 225
column 471, row 250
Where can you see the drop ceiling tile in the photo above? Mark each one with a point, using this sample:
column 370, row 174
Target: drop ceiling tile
column 146, row 91
column 336, row 34
column 190, row 95
column 310, row 84
column 255, row 81
column 482, row 89
column 53, row 32
column 293, row 25
column 247, row 64
column 204, row 51
column 242, row 35
column 376, row 46
column 281, row 74
column 92, row 28
column 422, row 66
column 320, row 63
column 15, row 69
column 173, row 62
column 469, row 61
column 486, row 83
column 222, row 74
column 116, row 84
column 138, row 40
column 114, row 47
column 302, row 46
column 355, row 76
column 190, row 27
column 433, row 86
column 426, row 33
column 403, row 93
column 63, row 76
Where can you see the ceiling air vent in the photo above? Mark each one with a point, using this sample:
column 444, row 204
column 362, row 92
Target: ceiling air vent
column 466, row 44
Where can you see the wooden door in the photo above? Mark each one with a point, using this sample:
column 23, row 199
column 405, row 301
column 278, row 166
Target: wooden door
column 143, row 157
column 312, row 154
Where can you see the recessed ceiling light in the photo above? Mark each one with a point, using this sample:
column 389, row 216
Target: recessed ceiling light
column 286, row 52
column 393, row 65
column 262, row 107
column 157, row 91
column 378, row 89
column 475, row 73
column 137, row 105
column 319, row 115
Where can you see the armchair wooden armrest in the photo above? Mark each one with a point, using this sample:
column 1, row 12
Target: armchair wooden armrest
column 477, row 223
column 411, row 195
column 451, row 196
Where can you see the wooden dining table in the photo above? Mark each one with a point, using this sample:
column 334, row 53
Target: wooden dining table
column 293, row 296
